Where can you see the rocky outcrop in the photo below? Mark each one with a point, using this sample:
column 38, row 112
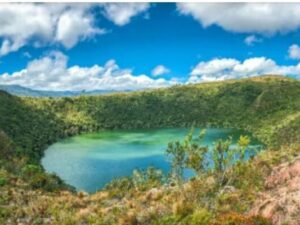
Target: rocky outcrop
column 281, row 200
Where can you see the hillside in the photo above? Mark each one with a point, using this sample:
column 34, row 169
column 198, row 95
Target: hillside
column 268, row 106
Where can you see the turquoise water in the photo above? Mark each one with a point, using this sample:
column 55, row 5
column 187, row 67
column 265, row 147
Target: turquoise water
column 89, row 161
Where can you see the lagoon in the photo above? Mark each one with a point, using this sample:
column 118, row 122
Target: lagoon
column 89, row 161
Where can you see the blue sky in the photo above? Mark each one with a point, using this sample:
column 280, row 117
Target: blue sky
column 141, row 45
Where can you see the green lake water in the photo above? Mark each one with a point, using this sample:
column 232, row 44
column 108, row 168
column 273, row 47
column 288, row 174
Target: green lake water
column 90, row 161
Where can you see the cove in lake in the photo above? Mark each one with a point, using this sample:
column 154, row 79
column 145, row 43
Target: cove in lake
column 90, row 161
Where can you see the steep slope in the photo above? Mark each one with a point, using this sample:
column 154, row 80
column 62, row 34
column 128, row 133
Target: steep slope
column 29, row 128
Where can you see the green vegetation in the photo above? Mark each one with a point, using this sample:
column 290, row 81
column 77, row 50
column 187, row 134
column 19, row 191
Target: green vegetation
column 140, row 179
column 268, row 107
column 187, row 155
column 265, row 106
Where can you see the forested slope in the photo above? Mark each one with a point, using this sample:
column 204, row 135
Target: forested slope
column 268, row 106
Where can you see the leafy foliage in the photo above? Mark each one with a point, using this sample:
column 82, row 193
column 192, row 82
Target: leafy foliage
column 187, row 155
column 140, row 180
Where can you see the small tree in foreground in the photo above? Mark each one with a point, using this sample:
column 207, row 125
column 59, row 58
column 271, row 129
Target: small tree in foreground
column 190, row 154
column 187, row 154
column 225, row 154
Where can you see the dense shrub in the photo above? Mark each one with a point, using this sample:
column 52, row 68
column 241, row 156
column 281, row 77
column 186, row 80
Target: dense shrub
column 36, row 178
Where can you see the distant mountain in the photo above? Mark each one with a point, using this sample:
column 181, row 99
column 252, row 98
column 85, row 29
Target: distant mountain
column 23, row 91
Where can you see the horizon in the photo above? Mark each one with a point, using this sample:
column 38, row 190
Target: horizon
column 133, row 46
column 262, row 76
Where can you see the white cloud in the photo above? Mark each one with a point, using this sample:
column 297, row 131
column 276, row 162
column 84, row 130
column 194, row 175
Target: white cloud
column 39, row 24
column 51, row 73
column 121, row 13
column 214, row 66
column 75, row 25
column 8, row 46
column 227, row 68
column 262, row 18
column 160, row 70
column 45, row 23
column 251, row 40
column 294, row 51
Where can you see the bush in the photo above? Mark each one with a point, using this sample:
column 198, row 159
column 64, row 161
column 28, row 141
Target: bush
column 240, row 219
column 37, row 178
column 3, row 181
column 31, row 170
column 4, row 177
column 119, row 187
column 200, row 217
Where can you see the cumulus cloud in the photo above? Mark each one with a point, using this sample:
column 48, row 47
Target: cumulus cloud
column 121, row 13
column 52, row 73
column 160, row 70
column 74, row 25
column 262, row 18
column 228, row 68
column 45, row 23
column 8, row 46
column 294, row 52
column 39, row 24
column 251, row 40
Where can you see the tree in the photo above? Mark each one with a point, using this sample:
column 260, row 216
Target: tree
column 196, row 153
column 243, row 143
column 177, row 153
column 225, row 155
column 188, row 154
column 222, row 155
